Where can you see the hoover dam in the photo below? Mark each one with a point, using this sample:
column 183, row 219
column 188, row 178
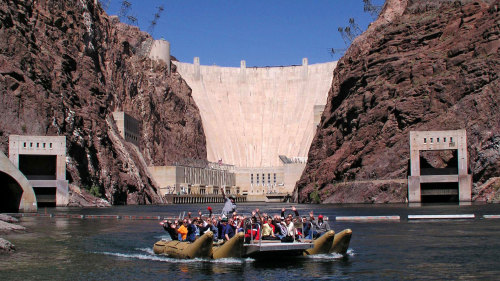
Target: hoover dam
column 260, row 118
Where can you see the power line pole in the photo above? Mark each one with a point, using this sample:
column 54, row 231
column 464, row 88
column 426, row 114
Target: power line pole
column 156, row 17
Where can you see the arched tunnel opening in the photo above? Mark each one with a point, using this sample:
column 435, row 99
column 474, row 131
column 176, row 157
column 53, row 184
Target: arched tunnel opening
column 10, row 194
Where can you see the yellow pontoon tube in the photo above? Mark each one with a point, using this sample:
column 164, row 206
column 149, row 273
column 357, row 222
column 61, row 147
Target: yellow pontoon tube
column 341, row 242
column 231, row 249
column 200, row 248
column 322, row 245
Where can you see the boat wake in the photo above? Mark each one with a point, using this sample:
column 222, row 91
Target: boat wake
column 150, row 255
column 332, row 256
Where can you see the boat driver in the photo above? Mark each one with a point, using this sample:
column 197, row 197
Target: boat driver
column 229, row 204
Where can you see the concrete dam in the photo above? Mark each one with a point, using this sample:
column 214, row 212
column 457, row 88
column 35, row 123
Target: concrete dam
column 253, row 115
column 260, row 118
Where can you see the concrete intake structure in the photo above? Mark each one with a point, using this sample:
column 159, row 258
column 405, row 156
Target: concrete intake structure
column 253, row 115
column 438, row 180
column 160, row 50
column 128, row 127
column 42, row 159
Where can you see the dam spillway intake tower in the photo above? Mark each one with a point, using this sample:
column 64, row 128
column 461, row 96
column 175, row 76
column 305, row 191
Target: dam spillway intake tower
column 42, row 159
column 432, row 182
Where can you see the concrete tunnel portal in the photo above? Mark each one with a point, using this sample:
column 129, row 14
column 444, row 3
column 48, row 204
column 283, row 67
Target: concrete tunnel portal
column 10, row 194
column 16, row 193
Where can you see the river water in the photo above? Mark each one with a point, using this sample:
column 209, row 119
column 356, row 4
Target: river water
column 121, row 249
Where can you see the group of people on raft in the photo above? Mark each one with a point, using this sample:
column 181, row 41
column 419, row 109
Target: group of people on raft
column 287, row 228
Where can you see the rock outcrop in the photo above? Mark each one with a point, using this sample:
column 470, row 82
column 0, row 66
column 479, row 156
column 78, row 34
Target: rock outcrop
column 79, row 197
column 7, row 218
column 65, row 66
column 488, row 192
column 9, row 227
column 423, row 65
column 6, row 246
column 6, row 226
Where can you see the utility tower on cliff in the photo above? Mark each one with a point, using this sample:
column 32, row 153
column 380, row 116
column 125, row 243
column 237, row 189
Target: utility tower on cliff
column 156, row 17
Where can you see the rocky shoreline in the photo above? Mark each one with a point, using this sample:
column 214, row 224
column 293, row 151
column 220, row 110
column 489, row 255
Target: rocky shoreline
column 7, row 226
column 78, row 197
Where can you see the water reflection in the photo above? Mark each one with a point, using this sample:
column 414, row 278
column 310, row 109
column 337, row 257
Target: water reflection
column 121, row 249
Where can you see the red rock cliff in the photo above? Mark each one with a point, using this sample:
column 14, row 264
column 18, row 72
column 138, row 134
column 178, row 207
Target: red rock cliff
column 65, row 66
column 420, row 66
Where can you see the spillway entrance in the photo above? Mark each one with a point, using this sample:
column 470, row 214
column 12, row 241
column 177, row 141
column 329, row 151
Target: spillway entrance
column 10, row 194
column 437, row 192
column 45, row 196
column 443, row 192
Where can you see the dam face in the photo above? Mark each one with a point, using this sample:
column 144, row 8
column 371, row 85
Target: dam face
column 252, row 116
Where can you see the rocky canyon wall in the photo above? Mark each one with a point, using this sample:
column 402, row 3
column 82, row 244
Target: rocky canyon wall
column 423, row 65
column 65, row 66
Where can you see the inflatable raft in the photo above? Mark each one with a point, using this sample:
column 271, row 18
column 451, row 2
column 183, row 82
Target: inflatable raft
column 201, row 248
column 259, row 249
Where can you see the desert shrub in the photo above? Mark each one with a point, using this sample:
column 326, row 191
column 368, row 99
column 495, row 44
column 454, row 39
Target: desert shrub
column 95, row 190
column 314, row 196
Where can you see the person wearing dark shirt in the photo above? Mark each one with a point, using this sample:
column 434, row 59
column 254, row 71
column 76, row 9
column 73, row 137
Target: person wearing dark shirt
column 204, row 227
column 191, row 234
column 290, row 215
column 170, row 228
column 320, row 227
column 227, row 230
column 220, row 227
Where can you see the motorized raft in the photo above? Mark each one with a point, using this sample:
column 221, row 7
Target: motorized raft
column 236, row 247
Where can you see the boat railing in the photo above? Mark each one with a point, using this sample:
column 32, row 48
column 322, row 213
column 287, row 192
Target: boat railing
column 248, row 225
column 248, row 222
column 302, row 232
column 298, row 225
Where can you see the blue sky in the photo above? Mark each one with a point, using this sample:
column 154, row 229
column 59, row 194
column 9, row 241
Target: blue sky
column 262, row 32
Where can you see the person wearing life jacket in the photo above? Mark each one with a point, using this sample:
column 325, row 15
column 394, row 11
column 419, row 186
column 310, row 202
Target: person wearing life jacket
column 183, row 230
